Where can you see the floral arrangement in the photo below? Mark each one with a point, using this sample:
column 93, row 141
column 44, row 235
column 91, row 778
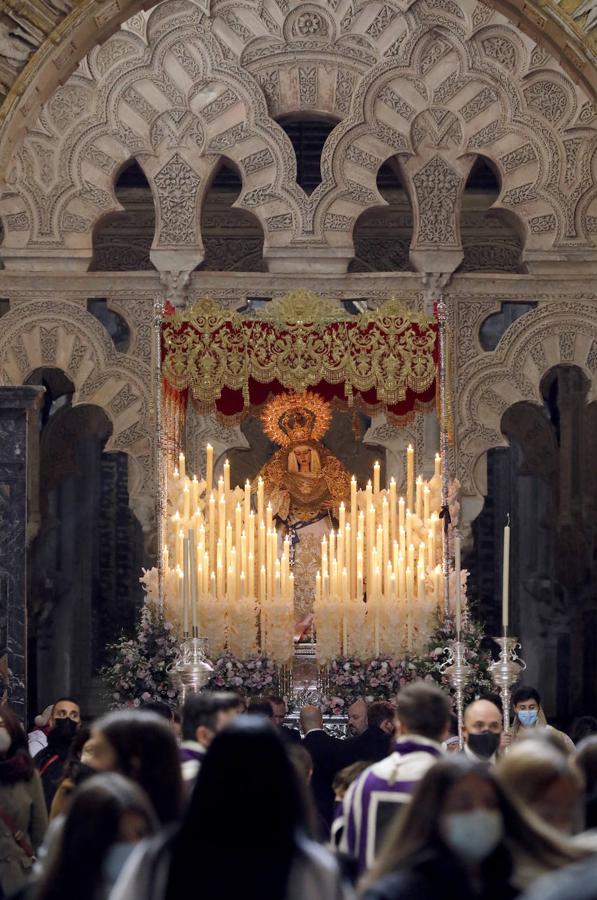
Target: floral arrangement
column 348, row 679
column 478, row 658
column 249, row 677
column 139, row 671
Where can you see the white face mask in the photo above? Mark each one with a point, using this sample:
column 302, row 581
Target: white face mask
column 5, row 740
column 473, row 836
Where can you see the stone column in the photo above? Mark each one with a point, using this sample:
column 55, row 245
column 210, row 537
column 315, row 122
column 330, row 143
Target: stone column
column 17, row 406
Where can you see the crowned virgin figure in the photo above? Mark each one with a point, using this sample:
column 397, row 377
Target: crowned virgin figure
column 305, row 484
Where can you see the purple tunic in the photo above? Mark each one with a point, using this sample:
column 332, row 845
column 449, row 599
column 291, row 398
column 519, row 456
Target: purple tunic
column 375, row 796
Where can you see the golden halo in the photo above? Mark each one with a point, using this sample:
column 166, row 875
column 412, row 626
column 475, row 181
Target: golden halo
column 291, row 418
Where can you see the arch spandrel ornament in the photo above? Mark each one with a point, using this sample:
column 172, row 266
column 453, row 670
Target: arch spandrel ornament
column 555, row 333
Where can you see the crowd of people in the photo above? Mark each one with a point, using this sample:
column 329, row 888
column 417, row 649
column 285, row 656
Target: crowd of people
column 227, row 800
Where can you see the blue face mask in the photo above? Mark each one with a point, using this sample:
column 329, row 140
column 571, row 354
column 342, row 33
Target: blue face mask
column 527, row 717
column 115, row 860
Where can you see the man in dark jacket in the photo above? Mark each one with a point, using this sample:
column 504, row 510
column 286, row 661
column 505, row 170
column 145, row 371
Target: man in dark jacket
column 290, row 735
column 325, row 753
column 376, row 741
column 65, row 721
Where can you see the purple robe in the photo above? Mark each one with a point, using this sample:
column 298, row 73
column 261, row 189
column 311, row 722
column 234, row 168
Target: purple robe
column 376, row 795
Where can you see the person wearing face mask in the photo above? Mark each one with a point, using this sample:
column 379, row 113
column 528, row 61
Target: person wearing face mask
column 462, row 837
column 65, row 722
column 23, row 816
column 482, row 731
column 529, row 717
column 108, row 818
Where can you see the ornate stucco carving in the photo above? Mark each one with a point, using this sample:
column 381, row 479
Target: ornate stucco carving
column 178, row 90
column 62, row 334
column 487, row 384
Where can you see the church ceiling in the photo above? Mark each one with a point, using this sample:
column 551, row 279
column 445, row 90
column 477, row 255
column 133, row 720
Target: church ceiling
column 430, row 83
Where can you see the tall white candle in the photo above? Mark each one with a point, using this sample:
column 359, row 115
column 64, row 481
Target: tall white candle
column 506, row 578
column 458, row 596
column 393, row 511
column 376, row 478
column 181, row 465
column 186, row 591
column 226, row 476
column 193, row 579
column 247, row 502
column 410, row 477
column 260, row 499
column 251, row 583
column 269, row 518
column 419, row 497
column 209, row 467
column 426, row 497
column 194, row 494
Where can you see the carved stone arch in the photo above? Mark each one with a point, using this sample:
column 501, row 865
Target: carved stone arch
column 501, row 47
column 62, row 334
column 551, row 95
column 555, row 333
column 430, row 41
column 566, row 33
column 355, row 151
column 223, row 113
column 522, row 155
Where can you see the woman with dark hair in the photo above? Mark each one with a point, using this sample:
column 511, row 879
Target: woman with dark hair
column 72, row 773
column 142, row 746
column 23, row 813
column 108, row 816
column 462, row 836
column 244, row 834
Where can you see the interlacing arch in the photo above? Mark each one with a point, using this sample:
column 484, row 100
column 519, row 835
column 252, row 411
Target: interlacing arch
column 556, row 333
column 64, row 335
column 431, row 84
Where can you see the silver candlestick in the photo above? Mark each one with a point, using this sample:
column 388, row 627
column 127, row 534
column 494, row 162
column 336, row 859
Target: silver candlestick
column 506, row 671
column 191, row 671
column 458, row 673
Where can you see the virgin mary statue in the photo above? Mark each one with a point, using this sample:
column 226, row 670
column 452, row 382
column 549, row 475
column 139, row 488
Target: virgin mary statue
column 305, row 484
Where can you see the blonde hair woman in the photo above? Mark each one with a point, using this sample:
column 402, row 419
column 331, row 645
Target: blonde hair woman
column 546, row 781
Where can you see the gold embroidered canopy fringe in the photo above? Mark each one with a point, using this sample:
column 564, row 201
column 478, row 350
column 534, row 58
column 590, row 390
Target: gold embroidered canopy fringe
column 231, row 362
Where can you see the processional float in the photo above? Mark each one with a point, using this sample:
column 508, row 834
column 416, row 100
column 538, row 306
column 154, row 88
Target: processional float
column 224, row 575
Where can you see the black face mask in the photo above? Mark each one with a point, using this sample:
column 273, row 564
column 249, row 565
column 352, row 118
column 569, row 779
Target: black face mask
column 484, row 745
column 62, row 734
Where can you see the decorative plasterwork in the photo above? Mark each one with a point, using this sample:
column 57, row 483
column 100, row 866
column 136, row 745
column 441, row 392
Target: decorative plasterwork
column 433, row 86
column 561, row 332
column 62, row 334
column 42, row 41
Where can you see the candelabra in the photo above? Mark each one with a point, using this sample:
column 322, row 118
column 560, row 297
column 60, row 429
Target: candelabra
column 506, row 671
column 458, row 673
column 192, row 669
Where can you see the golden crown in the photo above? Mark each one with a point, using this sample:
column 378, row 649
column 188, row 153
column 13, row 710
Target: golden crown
column 289, row 419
